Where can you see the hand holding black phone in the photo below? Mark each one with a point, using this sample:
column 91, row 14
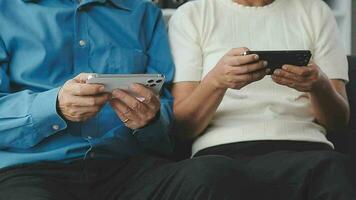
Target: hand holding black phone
column 276, row 59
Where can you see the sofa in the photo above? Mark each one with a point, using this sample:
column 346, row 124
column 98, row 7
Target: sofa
column 345, row 139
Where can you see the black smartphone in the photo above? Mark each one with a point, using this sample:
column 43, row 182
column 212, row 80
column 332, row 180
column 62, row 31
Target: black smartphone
column 276, row 59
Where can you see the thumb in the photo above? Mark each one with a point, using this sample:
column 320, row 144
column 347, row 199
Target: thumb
column 312, row 65
column 82, row 77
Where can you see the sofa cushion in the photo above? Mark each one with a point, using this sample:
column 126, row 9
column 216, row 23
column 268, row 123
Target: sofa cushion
column 345, row 139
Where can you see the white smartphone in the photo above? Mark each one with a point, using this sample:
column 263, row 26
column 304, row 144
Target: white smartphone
column 124, row 81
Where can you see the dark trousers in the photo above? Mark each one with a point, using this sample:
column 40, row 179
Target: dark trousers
column 282, row 170
column 139, row 178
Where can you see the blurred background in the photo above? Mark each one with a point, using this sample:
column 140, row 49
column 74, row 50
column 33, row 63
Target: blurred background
column 344, row 11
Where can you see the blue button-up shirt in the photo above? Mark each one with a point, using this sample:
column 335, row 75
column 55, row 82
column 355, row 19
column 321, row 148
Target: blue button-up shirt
column 44, row 43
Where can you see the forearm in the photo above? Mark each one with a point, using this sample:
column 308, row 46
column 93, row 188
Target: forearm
column 196, row 103
column 331, row 109
column 27, row 118
column 194, row 113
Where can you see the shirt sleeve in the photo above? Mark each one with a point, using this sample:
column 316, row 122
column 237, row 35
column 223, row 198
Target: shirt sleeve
column 329, row 53
column 155, row 136
column 185, row 42
column 26, row 117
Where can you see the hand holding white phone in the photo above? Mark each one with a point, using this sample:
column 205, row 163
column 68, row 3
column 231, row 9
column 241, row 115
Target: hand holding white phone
column 133, row 103
column 124, row 81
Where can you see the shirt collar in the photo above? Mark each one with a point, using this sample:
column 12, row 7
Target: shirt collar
column 125, row 4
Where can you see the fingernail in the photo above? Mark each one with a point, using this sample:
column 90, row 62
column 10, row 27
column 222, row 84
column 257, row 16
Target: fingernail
column 265, row 63
column 284, row 67
column 116, row 92
column 256, row 57
column 277, row 71
column 102, row 89
column 141, row 99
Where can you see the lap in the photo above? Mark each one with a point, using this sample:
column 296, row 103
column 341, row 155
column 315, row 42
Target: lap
column 304, row 175
column 143, row 177
column 55, row 180
column 21, row 184
column 293, row 174
column 206, row 177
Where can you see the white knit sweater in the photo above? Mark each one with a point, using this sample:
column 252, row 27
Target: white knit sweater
column 202, row 31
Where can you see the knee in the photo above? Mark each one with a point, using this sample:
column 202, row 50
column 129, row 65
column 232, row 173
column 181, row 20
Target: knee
column 330, row 163
column 332, row 158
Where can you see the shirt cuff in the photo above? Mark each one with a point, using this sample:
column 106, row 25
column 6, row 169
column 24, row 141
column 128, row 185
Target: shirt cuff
column 155, row 136
column 45, row 119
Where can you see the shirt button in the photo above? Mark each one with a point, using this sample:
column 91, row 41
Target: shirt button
column 82, row 43
column 92, row 154
column 55, row 127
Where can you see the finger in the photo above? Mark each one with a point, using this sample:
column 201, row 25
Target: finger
column 127, row 99
column 301, row 71
column 238, row 51
column 258, row 75
column 87, row 101
column 248, row 68
column 81, row 113
column 82, row 77
column 124, row 110
column 313, row 65
column 241, row 60
column 251, row 77
column 288, row 83
column 142, row 110
column 314, row 68
column 83, row 89
column 149, row 97
column 288, row 75
column 129, row 122
column 281, row 80
column 120, row 114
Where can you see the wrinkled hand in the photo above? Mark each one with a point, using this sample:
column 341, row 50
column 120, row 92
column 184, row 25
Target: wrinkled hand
column 303, row 79
column 135, row 112
column 234, row 70
column 78, row 101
